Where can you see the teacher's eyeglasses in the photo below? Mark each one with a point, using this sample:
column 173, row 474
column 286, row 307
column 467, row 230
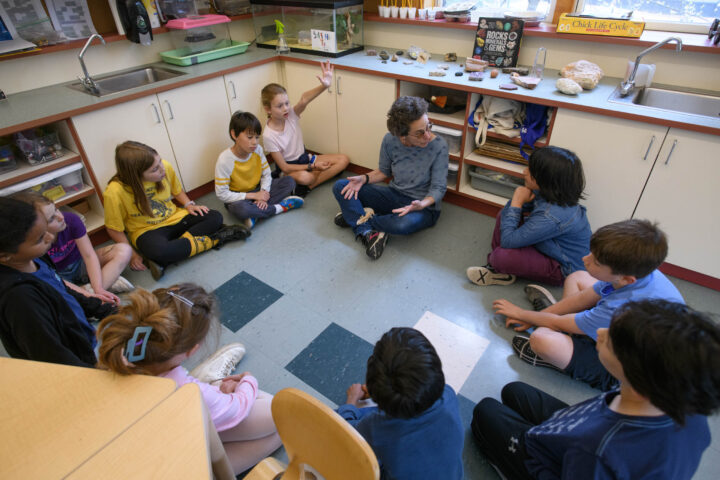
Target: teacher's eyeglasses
column 421, row 133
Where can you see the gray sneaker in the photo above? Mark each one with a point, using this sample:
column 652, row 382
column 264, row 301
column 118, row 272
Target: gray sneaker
column 539, row 296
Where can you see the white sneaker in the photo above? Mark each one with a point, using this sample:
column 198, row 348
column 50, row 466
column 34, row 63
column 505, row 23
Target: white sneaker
column 121, row 285
column 220, row 364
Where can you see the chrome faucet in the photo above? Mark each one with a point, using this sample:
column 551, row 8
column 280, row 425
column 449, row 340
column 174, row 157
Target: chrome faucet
column 626, row 87
column 87, row 82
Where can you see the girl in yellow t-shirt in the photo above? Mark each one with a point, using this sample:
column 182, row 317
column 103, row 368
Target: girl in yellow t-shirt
column 139, row 210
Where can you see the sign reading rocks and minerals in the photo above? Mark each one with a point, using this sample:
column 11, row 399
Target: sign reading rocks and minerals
column 498, row 41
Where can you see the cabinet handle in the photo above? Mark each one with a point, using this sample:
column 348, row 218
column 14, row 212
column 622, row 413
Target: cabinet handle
column 672, row 149
column 172, row 117
column 652, row 140
column 157, row 114
column 233, row 89
column 337, row 85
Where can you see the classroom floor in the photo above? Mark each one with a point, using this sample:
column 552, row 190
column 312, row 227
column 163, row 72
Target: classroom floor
column 308, row 304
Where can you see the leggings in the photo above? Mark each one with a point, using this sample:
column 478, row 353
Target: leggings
column 164, row 245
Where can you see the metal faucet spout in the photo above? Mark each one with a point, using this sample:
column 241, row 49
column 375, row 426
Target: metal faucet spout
column 87, row 80
column 627, row 87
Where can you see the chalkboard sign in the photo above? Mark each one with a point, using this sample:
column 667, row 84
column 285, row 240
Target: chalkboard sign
column 498, row 41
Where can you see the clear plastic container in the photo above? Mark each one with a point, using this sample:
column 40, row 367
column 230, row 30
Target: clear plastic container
column 497, row 183
column 199, row 34
column 232, row 7
column 38, row 146
column 451, row 136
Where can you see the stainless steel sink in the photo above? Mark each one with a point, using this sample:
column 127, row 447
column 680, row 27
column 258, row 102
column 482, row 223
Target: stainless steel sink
column 120, row 82
column 695, row 102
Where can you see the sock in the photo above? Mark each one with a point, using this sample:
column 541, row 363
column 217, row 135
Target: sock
column 279, row 209
column 198, row 244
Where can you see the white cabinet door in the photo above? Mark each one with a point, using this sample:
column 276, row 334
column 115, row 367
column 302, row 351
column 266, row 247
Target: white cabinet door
column 617, row 156
column 362, row 105
column 319, row 121
column 102, row 130
column 680, row 196
column 244, row 87
column 197, row 118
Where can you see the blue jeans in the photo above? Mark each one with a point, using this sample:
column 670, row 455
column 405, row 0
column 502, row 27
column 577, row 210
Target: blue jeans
column 382, row 199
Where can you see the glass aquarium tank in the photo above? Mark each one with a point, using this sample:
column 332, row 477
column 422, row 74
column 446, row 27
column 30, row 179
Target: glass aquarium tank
column 321, row 27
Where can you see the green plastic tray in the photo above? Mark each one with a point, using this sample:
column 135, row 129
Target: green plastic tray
column 181, row 57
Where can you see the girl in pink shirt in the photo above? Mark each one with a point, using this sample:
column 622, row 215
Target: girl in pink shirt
column 155, row 332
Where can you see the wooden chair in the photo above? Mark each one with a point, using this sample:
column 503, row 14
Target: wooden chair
column 313, row 434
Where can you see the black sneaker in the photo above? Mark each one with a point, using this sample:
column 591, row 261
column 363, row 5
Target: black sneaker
column 156, row 270
column 229, row 233
column 521, row 345
column 539, row 296
column 374, row 242
column 300, row 190
column 339, row 220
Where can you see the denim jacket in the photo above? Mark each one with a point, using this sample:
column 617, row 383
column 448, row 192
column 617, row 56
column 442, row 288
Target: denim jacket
column 561, row 233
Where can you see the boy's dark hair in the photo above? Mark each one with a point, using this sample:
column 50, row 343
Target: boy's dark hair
column 559, row 175
column 630, row 247
column 670, row 354
column 403, row 112
column 16, row 220
column 404, row 373
column 242, row 121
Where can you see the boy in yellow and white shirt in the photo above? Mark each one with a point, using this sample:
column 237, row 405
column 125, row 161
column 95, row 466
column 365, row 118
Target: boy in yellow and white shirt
column 243, row 181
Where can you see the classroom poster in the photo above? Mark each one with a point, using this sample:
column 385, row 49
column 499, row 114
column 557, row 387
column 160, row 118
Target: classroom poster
column 498, row 41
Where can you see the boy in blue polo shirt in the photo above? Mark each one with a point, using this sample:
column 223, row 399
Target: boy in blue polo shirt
column 621, row 267
column 667, row 360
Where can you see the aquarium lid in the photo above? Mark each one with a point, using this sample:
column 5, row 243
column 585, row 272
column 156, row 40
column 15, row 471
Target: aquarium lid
column 309, row 3
column 195, row 21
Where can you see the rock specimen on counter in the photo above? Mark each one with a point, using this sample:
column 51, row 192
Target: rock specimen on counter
column 399, row 53
column 525, row 81
column 384, row 55
column 568, row 86
column 508, row 86
column 494, row 73
column 408, row 62
column 451, row 57
column 394, row 58
column 476, row 76
column 475, row 64
column 370, row 52
column 458, row 74
column 444, row 66
column 519, row 70
column 437, row 73
column 423, row 57
column 584, row 73
column 412, row 55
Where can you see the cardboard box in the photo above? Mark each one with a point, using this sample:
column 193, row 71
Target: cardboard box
column 609, row 27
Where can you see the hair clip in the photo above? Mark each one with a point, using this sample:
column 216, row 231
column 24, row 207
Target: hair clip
column 134, row 342
column 181, row 298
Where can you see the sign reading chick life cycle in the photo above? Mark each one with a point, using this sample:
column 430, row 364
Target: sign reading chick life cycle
column 498, row 41
column 323, row 40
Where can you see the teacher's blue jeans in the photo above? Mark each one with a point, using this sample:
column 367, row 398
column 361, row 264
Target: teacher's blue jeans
column 383, row 200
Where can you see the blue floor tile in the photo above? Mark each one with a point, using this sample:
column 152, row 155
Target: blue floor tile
column 243, row 298
column 332, row 362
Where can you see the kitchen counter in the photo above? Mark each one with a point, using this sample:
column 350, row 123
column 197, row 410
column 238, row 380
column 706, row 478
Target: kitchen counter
column 41, row 106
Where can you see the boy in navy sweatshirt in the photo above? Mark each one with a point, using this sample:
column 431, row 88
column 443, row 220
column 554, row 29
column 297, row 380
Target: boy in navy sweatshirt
column 667, row 359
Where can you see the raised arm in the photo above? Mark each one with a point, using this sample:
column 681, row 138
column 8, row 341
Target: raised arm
column 312, row 94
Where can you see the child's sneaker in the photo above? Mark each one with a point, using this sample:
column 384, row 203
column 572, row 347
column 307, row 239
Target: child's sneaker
column 487, row 276
column 288, row 203
column 156, row 270
column 121, row 285
column 369, row 212
column 539, row 296
column 249, row 222
column 228, row 233
column 220, row 364
column 521, row 345
column 300, row 190
column 339, row 220
column 374, row 242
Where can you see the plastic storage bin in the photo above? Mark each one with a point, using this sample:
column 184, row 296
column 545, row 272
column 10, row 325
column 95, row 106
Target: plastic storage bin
column 451, row 136
column 232, row 7
column 335, row 27
column 199, row 34
column 494, row 182
column 7, row 159
column 452, row 174
column 54, row 185
column 38, row 146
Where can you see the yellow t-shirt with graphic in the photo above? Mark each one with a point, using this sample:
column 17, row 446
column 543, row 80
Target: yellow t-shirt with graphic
column 122, row 214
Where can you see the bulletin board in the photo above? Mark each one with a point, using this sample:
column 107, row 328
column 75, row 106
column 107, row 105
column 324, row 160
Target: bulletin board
column 498, row 41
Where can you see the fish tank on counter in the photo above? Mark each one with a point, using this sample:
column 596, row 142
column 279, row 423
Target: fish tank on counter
column 321, row 27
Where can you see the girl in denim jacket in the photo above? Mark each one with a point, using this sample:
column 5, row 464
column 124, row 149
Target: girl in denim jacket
column 548, row 244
